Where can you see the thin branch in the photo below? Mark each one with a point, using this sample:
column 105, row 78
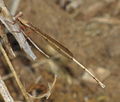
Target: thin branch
column 14, row 6
column 14, row 73
column 6, row 77
column 48, row 93
column 6, row 43
column 7, row 20
column 4, row 92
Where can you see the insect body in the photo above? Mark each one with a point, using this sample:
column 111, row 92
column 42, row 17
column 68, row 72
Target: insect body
column 19, row 34
column 58, row 46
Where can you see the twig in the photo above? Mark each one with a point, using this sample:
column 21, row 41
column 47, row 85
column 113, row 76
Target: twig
column 14, row 6
column 104, row 20
column 7, row 76
column 48, row 93
column 7, row 19
column 14, row 73
column 4, row 92
column 6, row 43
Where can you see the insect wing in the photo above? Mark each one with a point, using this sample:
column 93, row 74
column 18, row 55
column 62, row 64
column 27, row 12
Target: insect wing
column 54, row 43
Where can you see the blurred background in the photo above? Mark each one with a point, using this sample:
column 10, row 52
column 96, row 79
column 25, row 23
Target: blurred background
column 90, row 29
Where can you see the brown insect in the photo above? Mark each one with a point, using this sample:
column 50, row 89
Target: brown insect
column 55, row 44
column 12, row 24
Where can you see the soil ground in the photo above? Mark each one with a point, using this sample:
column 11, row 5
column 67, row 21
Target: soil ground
column 91, row 32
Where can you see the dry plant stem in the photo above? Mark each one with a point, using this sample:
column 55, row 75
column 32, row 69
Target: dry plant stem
column 52, row 86
column 4, row 92
column 6, row 42
column 7, row 76
column 7, row 19
column 14, row 6
column 14, row 73
column 8, row 47
column 105, row 20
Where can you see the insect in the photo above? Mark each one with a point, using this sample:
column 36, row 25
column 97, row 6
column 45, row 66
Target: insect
column 56, row 45
column 11, row 23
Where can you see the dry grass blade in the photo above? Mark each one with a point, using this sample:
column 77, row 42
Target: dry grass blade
column 14, row 6
column 14, row 73
column 7, row 76
column 59, row 47
column 4, row 92
column 6, row 42
column 105, row 20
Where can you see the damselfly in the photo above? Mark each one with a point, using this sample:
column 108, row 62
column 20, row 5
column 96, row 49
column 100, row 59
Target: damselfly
column 12, row 24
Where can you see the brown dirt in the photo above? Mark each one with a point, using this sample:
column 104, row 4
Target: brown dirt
column 94, row 43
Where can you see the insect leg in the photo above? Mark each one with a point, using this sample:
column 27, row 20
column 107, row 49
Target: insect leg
column 18, row 15
column 10, row 22
column 35, row 45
